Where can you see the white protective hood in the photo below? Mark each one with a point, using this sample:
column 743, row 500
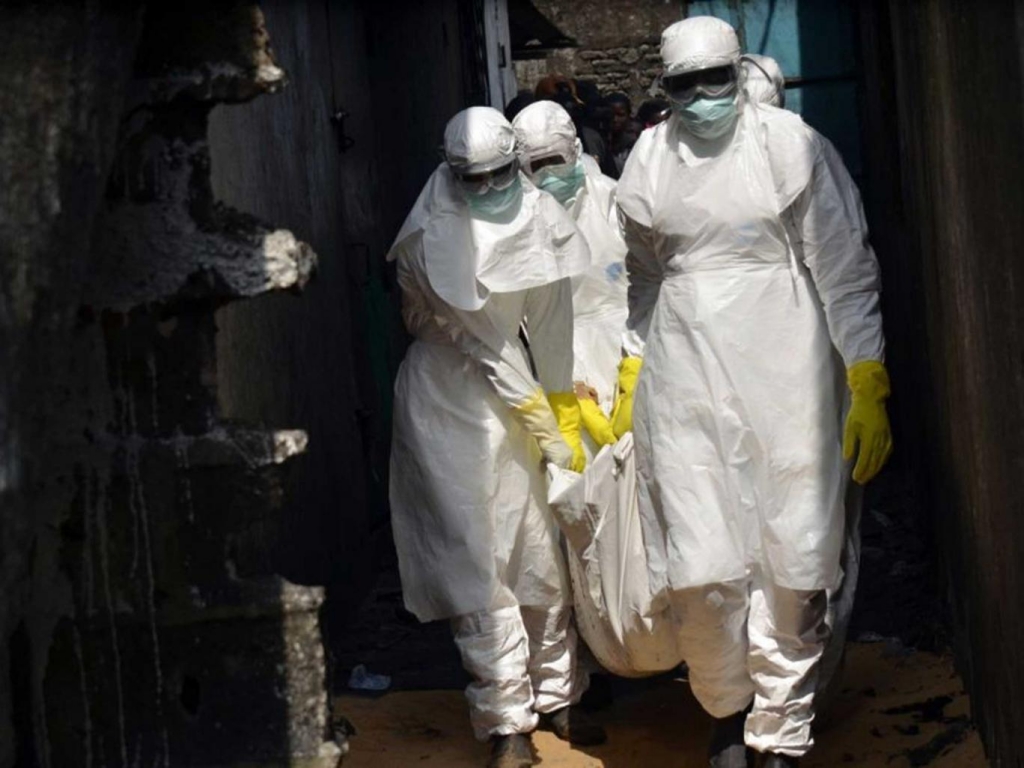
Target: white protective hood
column 544, row 128
column 478, row 139
column 764, row 80
column 699, row 42
column 468, row 258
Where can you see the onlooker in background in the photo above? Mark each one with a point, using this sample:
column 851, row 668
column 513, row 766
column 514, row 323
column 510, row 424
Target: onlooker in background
column 597, row 121
column 652, row 112
column 558, row 88
column 588, row 91
column 516, row 104
column 623, row 132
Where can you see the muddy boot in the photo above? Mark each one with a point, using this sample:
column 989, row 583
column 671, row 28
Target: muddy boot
column 514, row 751
column 773, row 760
column 727, row 748
column 572, row 725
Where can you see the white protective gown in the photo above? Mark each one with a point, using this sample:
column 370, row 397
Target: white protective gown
column 470, row 521
column 765, row 84
column 751, row 285
column 599, row 294
column 544, row 130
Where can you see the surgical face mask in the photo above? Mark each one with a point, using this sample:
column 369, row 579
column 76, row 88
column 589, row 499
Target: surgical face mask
column 708, row 118
column 496, row 204
column 561, row 182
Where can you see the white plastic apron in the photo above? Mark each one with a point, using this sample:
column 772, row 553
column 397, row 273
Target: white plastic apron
column 737, row 410
column 471, row 526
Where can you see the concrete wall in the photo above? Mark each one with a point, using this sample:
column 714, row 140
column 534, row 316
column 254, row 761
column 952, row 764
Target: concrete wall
column 618, row 43
column 945, row 120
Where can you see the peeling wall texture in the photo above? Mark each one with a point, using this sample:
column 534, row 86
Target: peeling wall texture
column 618, row 43
column 945, row 124
column 141, row 607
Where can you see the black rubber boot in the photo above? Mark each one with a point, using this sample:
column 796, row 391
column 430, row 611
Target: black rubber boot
column 599, row 694
column 773, row 760
column 514, row 751
column 572, row 725
column 727, row 749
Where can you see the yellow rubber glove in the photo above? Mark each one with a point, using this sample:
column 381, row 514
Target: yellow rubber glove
column 598, row 426
column 622, row 414
column 538, row 419
column 567, row 414
column 867, row 424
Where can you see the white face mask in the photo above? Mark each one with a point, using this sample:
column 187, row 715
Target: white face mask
column 496, row 203
column 708, row 118
column 561, row 183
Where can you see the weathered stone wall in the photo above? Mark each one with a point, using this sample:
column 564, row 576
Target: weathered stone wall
column 140, row 605
column 618, row 43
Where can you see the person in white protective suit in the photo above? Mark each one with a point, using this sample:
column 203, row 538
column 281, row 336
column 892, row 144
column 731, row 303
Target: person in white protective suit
column 765, row 84
column 763, row 80
column 481, row 252
column 552, row 156
column 751, row 282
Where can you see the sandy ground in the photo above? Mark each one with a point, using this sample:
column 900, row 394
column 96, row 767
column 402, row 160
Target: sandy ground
column 897, row 709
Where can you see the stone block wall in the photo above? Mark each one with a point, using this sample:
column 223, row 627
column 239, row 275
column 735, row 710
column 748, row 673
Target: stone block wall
column 618, row 43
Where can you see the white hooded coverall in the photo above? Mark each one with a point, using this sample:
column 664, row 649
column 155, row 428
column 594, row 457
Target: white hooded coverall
column 765, row 83
column 751, row 285
column 475, row 540
column 543, row 129
column 763, row 80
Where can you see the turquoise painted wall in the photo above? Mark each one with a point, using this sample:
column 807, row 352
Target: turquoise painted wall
column 813, row 41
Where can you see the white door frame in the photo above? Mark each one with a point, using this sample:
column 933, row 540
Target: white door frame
column 501, row 75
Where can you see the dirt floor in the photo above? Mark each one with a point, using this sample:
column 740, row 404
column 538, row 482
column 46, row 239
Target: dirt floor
column 899, row 708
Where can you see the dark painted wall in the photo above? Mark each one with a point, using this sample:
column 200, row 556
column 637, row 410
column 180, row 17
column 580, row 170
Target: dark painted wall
column 327, row 361
column 286, row 360
column 64, row 72
column 945, row 120
column 138, row 601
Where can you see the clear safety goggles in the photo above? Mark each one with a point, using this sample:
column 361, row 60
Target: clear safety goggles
column 711, row 83
column 478, row 183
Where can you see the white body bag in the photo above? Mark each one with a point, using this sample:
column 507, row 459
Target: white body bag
column 630, row 631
